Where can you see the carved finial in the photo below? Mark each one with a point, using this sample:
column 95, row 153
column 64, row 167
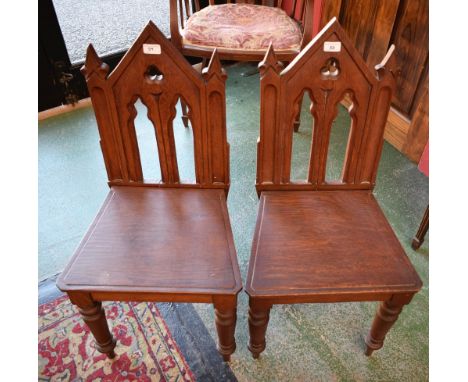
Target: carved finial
column 214, row 68
column 93, row 64
column 388, row 64
column 270, row 62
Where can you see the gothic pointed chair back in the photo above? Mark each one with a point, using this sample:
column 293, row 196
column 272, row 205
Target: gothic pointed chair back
column 328, row 68
column 154, row 72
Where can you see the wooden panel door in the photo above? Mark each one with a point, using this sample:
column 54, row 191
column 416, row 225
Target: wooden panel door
column 369, row 25
column 411, row 36
column 372, row 26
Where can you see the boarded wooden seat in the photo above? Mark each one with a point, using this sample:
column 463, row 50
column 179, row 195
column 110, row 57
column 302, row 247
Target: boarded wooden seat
column 326, row 242
column 155, row 239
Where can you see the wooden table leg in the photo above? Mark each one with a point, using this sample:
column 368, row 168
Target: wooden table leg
column 93, row 315
column 259, row 315
column 423, row 227
column 386, row 316
column 225, row 319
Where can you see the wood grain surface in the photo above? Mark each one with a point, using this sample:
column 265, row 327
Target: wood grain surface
column 143, row 237
column 326, row 242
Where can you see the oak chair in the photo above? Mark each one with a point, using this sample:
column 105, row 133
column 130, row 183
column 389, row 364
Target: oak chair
column 158, row 241
column 321, row 241
column 240, row 30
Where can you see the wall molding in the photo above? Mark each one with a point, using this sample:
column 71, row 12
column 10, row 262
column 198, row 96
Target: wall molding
column 86, row 102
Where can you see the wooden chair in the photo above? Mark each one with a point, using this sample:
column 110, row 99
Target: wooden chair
column 241, row 30
column 319, row 241
column 158, row 241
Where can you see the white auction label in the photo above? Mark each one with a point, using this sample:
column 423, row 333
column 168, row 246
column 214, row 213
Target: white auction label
column 151, row 49
column 332, row 46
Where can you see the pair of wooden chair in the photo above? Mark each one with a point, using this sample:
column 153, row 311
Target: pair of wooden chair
column 315, row 241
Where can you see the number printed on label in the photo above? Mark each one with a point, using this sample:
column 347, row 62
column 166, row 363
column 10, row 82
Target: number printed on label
column 332, row 46
column 151, row 49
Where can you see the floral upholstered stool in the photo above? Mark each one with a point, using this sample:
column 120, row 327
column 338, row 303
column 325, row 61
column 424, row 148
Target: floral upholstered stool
column 243, row 27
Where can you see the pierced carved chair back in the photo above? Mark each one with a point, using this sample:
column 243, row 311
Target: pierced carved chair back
column 156, row 73
column 328, row 68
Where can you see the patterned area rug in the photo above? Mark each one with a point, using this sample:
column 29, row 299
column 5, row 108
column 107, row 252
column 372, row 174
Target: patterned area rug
column 145, row 351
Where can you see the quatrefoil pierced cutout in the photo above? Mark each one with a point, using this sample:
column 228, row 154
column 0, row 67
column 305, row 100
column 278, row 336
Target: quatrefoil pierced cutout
column 153, row 74
column 331, row 70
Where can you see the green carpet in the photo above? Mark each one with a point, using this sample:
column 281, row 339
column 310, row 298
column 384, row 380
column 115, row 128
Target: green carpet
column 314, row 342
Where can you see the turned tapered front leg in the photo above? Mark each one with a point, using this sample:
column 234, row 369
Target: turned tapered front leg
column 94, row 316
column 225, row 319
column 259, row 315
column 386, row 315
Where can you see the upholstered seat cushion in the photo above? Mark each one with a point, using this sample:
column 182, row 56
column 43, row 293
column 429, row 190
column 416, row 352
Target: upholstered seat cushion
column 242, row 26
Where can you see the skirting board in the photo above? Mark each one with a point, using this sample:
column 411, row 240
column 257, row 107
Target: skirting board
column 396, row 130
column 64, row 109
column 397, row 127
